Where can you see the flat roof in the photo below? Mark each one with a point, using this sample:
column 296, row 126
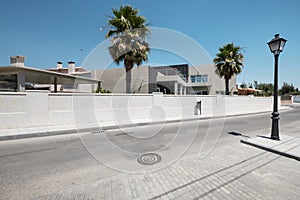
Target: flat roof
column 42, row 76
column 249, row 89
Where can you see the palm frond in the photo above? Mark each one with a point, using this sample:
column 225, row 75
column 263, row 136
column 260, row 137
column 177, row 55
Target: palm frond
column 128, row 31
column 228, row 60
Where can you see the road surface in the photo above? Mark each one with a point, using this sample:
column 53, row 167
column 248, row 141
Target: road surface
column 37, row 166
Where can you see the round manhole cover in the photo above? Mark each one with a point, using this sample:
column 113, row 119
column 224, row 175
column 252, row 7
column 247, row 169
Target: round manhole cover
column 149, row 158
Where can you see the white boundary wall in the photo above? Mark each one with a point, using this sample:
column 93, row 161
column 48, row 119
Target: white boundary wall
column 295, row 99
column 28, row 110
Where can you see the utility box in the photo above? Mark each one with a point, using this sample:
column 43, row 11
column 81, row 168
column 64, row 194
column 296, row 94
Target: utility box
column 198, row 108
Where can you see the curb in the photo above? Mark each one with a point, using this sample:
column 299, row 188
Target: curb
column 272, row 150
column 91, row 129
column 94, row 129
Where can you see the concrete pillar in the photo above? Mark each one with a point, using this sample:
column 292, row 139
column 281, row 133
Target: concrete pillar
column 157, row 98
column 55, row 84
column 37, row 109
column 99, row 87
column 175, row 88
column 21, row 82
column 181, row 89
column 184, row 92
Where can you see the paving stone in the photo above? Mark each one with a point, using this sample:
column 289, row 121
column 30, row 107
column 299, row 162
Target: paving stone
column 225, row 173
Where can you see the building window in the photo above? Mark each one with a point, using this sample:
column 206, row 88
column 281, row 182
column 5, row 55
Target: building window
column 202, row 92
column 8, row 82
column 199, row 79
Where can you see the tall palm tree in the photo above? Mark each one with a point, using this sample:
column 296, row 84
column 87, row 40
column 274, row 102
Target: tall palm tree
column 128, row 31
column 228, row 62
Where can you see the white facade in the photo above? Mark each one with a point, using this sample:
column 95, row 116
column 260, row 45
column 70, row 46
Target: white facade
column 199, row 80
column 213, row 83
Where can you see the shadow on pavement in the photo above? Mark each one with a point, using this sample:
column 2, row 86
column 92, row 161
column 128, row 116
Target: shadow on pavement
column 237, row 134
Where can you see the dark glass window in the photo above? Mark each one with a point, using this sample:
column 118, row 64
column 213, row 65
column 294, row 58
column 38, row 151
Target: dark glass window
column 199, row 79
column 8, row 82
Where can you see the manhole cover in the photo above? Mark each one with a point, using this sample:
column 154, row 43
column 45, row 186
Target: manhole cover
column 149, row 159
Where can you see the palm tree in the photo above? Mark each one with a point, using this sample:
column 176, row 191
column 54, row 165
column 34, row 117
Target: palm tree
column 128, row 32
column 228, row 62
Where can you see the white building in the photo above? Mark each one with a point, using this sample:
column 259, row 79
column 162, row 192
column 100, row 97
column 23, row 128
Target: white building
column 19, row 78
column 174, row 79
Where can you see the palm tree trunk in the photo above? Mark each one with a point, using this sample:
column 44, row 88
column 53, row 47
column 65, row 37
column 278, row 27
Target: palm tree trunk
column 128, row 78
column 227, row 86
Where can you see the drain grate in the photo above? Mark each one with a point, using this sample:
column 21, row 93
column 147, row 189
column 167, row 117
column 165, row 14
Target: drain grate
column 149, row 158
column 99, row 131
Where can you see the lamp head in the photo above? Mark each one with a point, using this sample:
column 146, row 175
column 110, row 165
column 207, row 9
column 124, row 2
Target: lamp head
column 276, row 45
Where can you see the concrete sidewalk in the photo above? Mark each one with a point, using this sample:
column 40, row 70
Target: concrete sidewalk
column 230, row 172
column 287, row 146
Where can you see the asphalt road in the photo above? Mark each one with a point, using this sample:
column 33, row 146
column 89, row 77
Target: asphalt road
column 37, row 166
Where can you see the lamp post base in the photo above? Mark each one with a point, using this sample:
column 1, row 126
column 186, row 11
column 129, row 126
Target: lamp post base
column 275, row 129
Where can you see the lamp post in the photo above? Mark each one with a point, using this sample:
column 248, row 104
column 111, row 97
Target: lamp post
column 276, row 46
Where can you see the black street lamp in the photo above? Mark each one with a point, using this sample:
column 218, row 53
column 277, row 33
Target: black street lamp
column 276, row 46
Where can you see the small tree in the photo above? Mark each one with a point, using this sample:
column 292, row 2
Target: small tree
column 255, row 84
column 228, row 62
column 287, row 89
column 266, row 88
column 243, row 85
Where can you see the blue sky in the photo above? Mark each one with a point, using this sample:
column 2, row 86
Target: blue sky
column 62, row 30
